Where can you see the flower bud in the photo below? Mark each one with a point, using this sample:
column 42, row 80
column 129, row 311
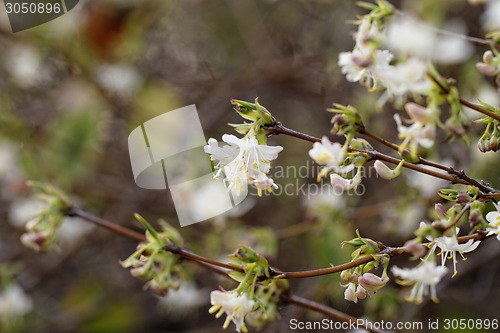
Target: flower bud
column 419, row 113
column 345, row 274
column 350, row 294
column 463, row 198
column 344, row 184
column 372, row 282
column 416, row 249
column 495, row 143
column 385, row 172
column 360, row 292
column 486, row 69
column 488, row 57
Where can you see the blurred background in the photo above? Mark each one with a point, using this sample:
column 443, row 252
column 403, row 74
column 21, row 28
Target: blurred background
column 73, row 89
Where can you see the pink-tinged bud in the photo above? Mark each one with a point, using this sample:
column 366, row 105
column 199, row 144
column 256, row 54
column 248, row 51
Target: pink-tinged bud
column 474, row 219
column 384, row 171
column 157, row 289
column 345, row 275
column 360, row 292
column 486, row 69
column 372, row 282
column 35, row 241
column 463, row 198
column 344, row 184
column 481, row 147
column 417, row 250
column 419, row 113
column 488, row 57
column 350, row 294
column 440, row 210
column 495, row 143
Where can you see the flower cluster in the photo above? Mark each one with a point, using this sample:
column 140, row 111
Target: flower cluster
column 247, row 160
column 421, row 132
column 152, row 263
column 255, row 302
column 360, row 282
column 42, row 230
column 371, row 65
column 243, row 161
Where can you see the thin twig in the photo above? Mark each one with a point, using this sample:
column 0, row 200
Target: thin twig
column 330, row 312
column 460, row 174
column 458, row 217
column 475, row 107
column 216, row 267
column 278, row 128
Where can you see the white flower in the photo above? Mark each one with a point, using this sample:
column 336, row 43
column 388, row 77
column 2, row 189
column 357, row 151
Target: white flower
column 244, row 160
column 416, row 134
column 354, row 292
column 14, row 302
column 25, row 66
column 493, row 219
column 424, row 277
column 118, row 78
column 409, row 37
column 403, row 79
column 360, row 63
column 489, row 19
column 362, row 66
column 331, row 155
column 180, row 302
column 367, row 31
column 236, row 307
column 449, row 246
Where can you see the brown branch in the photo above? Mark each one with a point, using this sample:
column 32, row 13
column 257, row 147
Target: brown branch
column 214, row 266
column 391, row 251
column 74, row 211
column 278, row 128
column 330, row 312
column 458, row 217
column 460, row 174
column 475, row 107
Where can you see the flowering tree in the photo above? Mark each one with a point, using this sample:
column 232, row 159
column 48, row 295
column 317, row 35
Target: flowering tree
column 396, row 58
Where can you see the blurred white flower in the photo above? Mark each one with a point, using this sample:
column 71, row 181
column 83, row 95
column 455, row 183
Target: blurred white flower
column 179, row 303
column 423, row 277
column 489, row 19
column 236, row 307
column 427, row 185
column 485, row 93
column 119, row 79
column 14, row 303
column 71, row 230
column 24, row 65
column 11, row 173
column 409, row 37
column 401, row 80
column 329, row 199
